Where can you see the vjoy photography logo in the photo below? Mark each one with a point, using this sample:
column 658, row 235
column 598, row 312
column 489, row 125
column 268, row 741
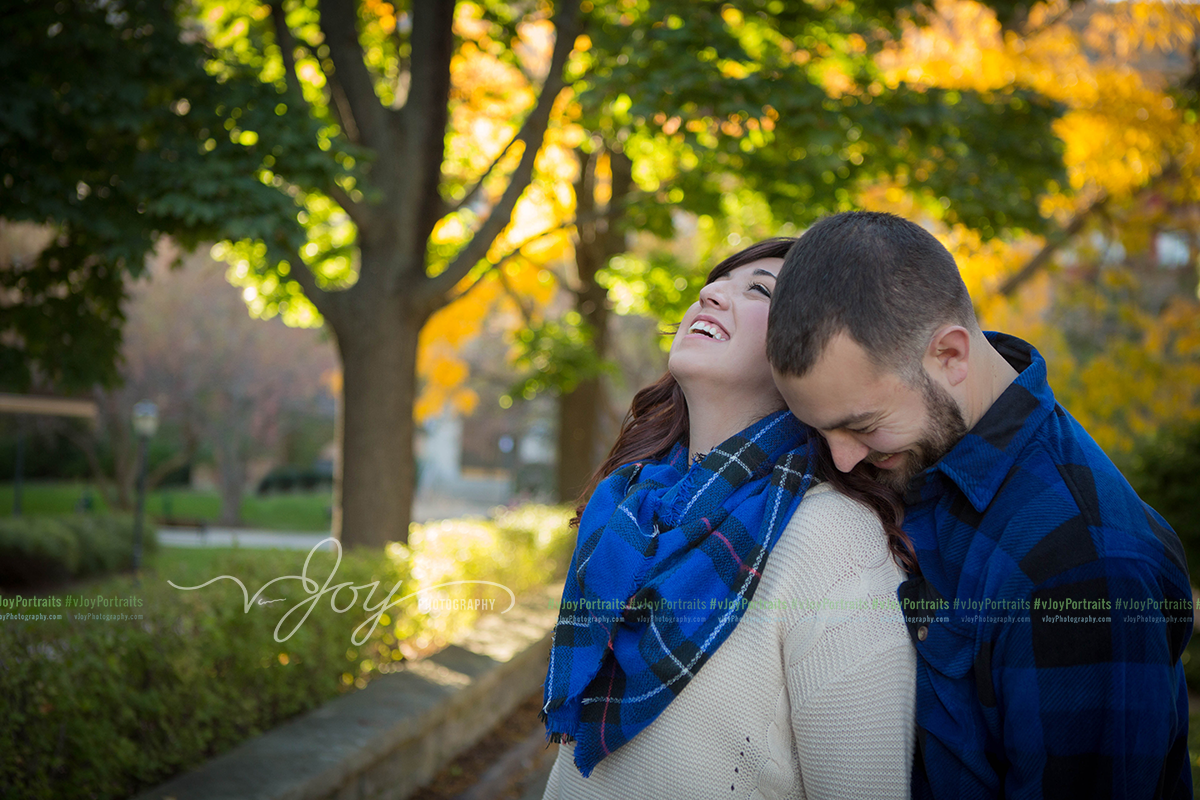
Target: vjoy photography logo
column 310, row 586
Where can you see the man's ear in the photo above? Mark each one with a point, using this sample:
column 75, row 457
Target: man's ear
column 948, row 354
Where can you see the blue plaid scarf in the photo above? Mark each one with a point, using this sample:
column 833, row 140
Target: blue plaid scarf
column 668, row 556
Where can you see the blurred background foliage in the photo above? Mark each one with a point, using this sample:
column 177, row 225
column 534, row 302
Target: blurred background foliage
column 1052, row 147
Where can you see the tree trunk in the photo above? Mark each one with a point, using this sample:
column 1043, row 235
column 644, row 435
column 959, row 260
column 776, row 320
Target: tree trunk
column 231, row 477
column 599, row 239
column 580, row 410
column 124, row 446
column 579, row 413
column 231, row 454
column 377, row 321
column 375, row 479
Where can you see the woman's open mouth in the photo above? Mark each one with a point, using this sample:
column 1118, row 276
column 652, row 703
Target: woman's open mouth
column 708, row 329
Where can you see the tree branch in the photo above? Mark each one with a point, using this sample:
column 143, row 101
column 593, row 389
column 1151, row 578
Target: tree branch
column 431, row 46
column 1053, row 243
column 426, row 113
column 172, row 463
column 511, row 254
column 469, row 197
column 287, row 48
column 1045, row 25
column 339, row 107
column 532, row 131
column 357, row 214
column 339, row 21
column 526, row 313
column 325, row 301
column 404, row 71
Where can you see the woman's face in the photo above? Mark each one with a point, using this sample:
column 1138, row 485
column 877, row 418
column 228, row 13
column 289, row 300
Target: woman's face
column 722, row 341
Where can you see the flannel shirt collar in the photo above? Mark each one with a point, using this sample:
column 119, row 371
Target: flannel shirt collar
column 979, row 463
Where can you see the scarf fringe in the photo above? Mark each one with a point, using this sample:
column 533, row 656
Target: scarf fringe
column 554, row 737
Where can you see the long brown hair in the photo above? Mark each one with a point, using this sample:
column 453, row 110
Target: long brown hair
column 658, row 418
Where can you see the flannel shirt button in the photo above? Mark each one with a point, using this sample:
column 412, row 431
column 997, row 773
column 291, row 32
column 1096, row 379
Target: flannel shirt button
column 922, row 633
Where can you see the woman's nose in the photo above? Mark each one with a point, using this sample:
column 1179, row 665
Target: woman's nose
column 713, row 294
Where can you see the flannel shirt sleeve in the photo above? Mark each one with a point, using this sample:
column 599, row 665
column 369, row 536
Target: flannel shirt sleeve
column 1088, row 692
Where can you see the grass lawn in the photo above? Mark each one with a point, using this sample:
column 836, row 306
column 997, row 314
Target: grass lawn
column 289, row 512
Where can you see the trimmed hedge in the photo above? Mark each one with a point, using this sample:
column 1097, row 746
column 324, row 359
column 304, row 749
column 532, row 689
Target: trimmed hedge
column 34, row 550
column 104, row 708
column 1165, row 471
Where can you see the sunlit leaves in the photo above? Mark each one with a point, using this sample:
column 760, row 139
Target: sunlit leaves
column 1123, row 358
column 329, row 252
column 1127, row 29
column 793, row 102
column 657, row 285
column 1118, row 128
column 494, row 73
column 555, row 356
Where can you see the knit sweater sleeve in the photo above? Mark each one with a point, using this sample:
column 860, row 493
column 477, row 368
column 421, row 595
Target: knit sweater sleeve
column 850, row 668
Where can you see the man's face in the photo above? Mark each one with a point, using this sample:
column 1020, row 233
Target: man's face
column 873, row 415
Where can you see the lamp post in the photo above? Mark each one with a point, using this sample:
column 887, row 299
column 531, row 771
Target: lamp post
column 145, row 423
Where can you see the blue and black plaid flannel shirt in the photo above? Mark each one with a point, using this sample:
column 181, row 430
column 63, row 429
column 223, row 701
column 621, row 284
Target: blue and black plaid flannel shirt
column 1049, row 617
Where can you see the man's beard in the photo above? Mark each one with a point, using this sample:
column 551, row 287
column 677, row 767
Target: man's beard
column 944, row 429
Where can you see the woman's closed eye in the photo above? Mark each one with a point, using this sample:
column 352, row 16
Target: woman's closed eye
column 762, row 289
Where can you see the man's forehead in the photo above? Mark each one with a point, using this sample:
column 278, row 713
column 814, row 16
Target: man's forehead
column 832, row 412
column 842, row 389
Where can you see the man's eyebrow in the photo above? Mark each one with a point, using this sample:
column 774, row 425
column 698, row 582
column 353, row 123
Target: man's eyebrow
column 854, row 419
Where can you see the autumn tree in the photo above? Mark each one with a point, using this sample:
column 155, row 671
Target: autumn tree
column 113, row 132
column 381, row 82
column 688, row 104
column 315, row 141
column 366, row 203
column 227, row 379
column 225, row 383
column 1108, row 291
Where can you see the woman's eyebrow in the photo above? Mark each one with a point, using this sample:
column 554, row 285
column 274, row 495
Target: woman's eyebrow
column 764, row 272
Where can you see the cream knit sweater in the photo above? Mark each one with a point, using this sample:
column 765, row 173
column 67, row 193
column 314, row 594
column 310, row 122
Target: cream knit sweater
column 815, row 700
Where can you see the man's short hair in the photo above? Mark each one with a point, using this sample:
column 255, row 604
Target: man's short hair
column 885, row 281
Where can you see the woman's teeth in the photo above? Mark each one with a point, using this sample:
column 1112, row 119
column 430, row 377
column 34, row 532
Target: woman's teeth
column 708, row 329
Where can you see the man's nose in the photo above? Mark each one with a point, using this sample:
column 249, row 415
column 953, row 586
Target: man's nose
column 846, row 450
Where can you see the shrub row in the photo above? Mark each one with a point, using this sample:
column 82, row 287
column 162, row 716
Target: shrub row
column 290, row 479
column 34, row 550
column 103, row 708
column 1166, row 473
